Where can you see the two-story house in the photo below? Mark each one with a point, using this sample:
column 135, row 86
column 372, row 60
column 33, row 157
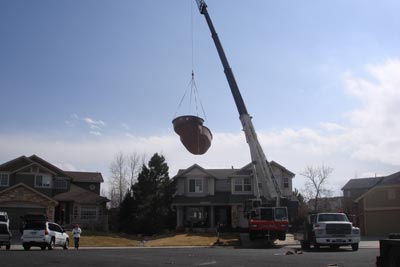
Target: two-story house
column 33, row 185
column 207, row 197
column 353, row 189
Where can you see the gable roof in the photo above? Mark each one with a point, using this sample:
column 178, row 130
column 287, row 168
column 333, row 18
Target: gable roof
column 216, row 173
column 225, row 173
column 85, row 177
column 362, row 183
column 80, row 195
column 392, row 179
column 22, row 162
column 28, row 188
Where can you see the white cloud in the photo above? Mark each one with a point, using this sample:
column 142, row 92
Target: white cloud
column 367, row 144
column 96, row 133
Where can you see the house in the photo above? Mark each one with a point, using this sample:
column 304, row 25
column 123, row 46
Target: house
column 353, row 189
column 377, row 203
column 207, row 197
column 33, row 185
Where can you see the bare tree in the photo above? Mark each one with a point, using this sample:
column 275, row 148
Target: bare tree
column 134, row 162
column 119, row 181
column 315, row 186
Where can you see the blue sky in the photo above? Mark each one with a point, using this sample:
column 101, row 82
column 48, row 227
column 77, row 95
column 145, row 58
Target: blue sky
column 83, row 80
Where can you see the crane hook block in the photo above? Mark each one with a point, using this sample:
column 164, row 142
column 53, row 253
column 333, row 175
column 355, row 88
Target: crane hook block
column 194, row 136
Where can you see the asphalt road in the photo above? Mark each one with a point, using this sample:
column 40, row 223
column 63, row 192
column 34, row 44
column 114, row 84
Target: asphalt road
column 217, row 256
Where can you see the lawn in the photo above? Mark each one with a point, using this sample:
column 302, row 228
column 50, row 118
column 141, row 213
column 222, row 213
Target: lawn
column 92, row 239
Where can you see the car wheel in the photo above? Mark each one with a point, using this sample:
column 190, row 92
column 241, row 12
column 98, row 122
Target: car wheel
column 26, row 247
column 51, row 245
column 316, row 246
column 43, row 247
column 66, row 244
column 354, row 247
column 8, row 247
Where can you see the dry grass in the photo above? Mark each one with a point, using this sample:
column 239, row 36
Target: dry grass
column 189, row 239
column 192, row 239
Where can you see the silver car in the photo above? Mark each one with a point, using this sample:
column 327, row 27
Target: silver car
column 44, row 234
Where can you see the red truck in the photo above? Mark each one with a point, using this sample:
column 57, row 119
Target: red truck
column 268, row 222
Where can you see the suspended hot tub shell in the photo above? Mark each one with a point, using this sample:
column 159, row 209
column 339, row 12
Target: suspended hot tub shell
column 194, row 136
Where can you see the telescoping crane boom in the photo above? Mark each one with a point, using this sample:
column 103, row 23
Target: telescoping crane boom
column 266, row 184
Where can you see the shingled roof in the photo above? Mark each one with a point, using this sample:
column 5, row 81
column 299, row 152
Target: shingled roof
column 80, row 195
column 362, row 183
column 85, row 177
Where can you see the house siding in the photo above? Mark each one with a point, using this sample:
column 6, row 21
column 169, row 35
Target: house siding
column 385, row 197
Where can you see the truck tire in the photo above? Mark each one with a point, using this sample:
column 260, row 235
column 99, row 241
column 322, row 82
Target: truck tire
column 26, row 247
column 394, row 257
column 8, row 247
column 305, row 244
column 252, row 236
column 316, row 245
column 354, row 247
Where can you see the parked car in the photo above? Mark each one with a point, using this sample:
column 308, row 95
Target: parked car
column 4, row 218
column 5, row 236
column 44, row 234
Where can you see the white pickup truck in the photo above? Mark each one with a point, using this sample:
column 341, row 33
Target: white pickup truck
column 329, row 229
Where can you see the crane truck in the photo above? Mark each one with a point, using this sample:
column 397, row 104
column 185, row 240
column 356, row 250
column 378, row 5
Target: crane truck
column 267, row 218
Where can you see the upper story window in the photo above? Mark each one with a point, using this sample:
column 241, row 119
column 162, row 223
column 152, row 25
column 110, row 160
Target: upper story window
column 60, row 183
column 242, row 185
column 43, row 181
column 196, row 185
column 4, row 179
column 285, row 182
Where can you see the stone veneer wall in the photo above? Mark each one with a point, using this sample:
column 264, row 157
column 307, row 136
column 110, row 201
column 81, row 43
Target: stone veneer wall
column 22, row 194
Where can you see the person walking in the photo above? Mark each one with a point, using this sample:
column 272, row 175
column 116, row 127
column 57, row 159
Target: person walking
column 76, row 232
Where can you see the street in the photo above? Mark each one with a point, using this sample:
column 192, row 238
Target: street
column 215, row 256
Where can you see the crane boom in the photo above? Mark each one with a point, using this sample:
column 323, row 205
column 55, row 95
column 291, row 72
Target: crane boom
column 266, row 184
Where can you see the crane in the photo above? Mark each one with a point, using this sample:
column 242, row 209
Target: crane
column 267, row 187
column 264, row 220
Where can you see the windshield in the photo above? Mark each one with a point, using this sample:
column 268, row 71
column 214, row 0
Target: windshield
column 332, row 218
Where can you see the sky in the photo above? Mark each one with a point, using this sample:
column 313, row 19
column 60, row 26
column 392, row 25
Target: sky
column 81, row 81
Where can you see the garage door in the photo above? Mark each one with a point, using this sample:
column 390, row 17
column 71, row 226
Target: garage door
column 15, row 214
column 382, row 222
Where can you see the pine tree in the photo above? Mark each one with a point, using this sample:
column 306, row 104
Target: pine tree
column 147, row 209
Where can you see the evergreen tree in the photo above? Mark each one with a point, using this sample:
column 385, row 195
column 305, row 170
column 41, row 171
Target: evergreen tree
column 147, row 208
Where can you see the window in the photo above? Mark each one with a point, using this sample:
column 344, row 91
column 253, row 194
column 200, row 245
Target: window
column 60, row 183
column 242, row 185
column 285, row 182
column 43, row 180
column 4, row 179
column 88, row 213
column 196, row 185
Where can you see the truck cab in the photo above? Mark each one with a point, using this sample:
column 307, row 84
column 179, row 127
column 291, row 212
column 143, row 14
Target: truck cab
column 329, row 229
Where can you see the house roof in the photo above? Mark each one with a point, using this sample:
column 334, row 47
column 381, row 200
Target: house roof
column 22, row 162
column 224, row 173
column 392, row 179
column 80, row 195
column 362, row 183
column 88, row 177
